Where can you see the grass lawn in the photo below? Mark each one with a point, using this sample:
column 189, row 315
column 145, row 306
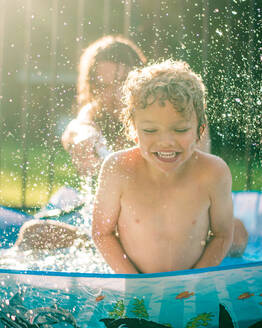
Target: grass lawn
column 39, row 171
column 42, row 167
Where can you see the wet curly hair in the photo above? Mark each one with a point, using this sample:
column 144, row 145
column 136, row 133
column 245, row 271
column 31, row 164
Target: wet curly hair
column 160, row 81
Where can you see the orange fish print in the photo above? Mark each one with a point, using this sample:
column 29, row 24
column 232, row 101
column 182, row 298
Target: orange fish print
column 183, row 295
column 100, row 298
column 245, row 295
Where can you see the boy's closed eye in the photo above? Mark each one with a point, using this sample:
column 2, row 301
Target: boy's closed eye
column 181, row 130
column 178, row 130
column 149, row 130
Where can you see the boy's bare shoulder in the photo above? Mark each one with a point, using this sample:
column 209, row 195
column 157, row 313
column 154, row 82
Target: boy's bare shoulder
column 123, row 161
column 213, row 167
column 210, row 159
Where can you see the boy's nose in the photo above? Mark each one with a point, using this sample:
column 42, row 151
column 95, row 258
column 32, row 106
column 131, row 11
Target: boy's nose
column 167, row 139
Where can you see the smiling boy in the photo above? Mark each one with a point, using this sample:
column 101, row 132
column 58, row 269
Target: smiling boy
column 157, row 203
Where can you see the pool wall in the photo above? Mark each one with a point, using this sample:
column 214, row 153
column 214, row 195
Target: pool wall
column 215, row 297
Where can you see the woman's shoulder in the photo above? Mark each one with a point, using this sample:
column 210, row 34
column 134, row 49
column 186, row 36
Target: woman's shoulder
column 87, row 113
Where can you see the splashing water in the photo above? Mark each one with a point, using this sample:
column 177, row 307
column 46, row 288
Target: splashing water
column 82, row 256
column 73, row 259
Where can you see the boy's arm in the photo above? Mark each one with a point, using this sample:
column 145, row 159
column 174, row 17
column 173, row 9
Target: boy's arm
column 221, row 219
column 105, row 217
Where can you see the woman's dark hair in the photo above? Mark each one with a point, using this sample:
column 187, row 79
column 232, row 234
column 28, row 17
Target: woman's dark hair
column 110, row 48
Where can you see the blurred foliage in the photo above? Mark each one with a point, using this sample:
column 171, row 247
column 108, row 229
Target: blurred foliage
column 40, row 45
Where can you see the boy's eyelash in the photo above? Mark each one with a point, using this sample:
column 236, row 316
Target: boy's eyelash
column 181, row 130
column 175, row 130
column 149, row 130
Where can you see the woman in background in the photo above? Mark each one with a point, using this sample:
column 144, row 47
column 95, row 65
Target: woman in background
column 97, row 130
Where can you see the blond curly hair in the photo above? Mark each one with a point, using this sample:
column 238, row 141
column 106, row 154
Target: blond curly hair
column 160, row 81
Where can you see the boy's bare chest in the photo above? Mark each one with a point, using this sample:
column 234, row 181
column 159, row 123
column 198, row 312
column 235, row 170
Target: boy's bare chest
column 144, row 202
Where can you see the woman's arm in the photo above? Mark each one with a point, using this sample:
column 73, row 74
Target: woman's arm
column 83, row 141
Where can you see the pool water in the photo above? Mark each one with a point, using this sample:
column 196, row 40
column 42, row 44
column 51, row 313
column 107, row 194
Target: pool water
column 88, row 259
column 73, row 259
column 252, row 254
column 247, row 207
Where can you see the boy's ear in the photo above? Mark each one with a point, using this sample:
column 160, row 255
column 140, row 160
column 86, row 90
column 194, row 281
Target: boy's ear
column 134, row 136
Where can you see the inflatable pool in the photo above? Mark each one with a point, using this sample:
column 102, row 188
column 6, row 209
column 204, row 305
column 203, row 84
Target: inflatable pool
column 229, row 295
column 225, row 297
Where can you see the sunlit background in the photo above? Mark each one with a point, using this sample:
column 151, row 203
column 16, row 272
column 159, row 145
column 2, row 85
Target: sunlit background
column 40, row 45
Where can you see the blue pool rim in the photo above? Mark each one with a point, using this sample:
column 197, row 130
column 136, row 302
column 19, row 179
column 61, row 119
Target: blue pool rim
column 132, row 276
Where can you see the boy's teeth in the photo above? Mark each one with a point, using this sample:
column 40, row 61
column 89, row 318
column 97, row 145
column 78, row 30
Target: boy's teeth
column 166, row 154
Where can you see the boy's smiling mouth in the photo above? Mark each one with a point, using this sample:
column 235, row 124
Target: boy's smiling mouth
column 166, row 156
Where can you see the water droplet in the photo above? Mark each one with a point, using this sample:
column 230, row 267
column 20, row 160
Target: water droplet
column 238, row 100
column 219, row 32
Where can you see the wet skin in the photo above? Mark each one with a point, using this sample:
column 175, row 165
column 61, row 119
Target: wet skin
column 166, row 138
column 162, row 197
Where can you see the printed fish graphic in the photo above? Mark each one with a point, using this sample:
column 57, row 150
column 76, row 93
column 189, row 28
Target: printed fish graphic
column 100, row 298
column 245, row 295
column 13, row 314
column 184, row 295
